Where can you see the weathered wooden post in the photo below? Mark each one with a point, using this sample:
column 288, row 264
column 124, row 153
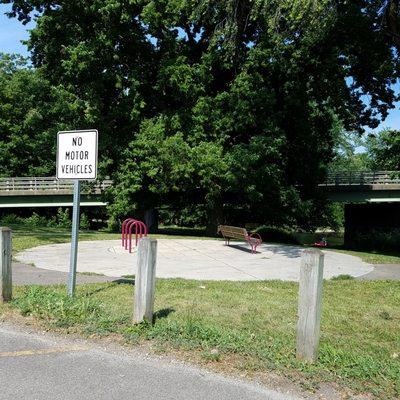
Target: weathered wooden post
column 145, row 280
column 5, row 264
column 310, row 302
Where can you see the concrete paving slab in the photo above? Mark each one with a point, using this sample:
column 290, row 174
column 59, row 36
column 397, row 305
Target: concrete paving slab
column 193, row 259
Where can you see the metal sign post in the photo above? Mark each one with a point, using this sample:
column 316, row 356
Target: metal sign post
column 77, row 161
column 74, row 238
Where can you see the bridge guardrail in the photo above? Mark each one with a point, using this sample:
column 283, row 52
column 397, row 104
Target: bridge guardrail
column 360, row 178
column 46, row 183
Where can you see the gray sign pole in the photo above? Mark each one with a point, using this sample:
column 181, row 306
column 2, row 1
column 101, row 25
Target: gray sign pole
column 74, row 239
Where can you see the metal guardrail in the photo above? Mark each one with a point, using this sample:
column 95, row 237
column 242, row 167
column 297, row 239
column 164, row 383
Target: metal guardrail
column 37, row 184
column 360, row 178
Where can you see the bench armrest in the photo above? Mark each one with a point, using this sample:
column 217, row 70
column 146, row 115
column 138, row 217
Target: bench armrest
column 255, row 235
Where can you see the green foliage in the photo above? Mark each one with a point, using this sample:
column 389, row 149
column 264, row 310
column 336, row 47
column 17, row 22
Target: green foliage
column 113, row 225
column 275, row 234
column 56, row 308
column 84, row 222
column 190, row 216
column 377, row 240
column 226, row 105
column 384, row 150
column 63, row 218
column 35, row 220
column 347, row 156
column 9, row 219
column 31, row 112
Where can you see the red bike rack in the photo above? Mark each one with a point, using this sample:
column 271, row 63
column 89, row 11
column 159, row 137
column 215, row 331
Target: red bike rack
column 127, row 227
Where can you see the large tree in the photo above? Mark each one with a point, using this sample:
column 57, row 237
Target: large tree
column 384, row 150
column 236, row 103
column 31, row 112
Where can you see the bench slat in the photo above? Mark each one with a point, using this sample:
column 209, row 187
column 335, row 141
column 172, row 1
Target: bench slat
column 233, row 232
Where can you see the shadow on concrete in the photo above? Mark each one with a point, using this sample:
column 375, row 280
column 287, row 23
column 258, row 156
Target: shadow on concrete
column 285, row 250
column 245, row 249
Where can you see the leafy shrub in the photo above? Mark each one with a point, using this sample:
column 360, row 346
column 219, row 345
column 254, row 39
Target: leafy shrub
column 10, row 219
column 84, row 222
column 63, row 218
column 191, row 216
column 377, row 240
column 113, row 225
column 275, row 234
column 35, row 220
column 52, row 222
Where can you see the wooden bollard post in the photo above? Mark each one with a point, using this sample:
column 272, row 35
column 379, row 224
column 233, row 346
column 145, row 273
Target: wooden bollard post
column 5, row 264
column 310, row 304
column 145, row 280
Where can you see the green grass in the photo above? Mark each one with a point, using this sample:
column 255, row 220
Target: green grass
column 335, row 242
column 372, row 257
column 247, row 326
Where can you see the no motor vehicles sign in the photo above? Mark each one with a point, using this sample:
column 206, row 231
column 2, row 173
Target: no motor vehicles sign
column 77, row 155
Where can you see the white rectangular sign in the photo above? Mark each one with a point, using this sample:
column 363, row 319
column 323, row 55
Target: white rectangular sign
column 77, row 154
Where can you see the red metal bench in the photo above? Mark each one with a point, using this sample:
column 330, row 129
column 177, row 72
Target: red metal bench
column 233, row 232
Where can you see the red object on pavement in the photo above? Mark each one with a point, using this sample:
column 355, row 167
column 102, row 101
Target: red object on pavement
column 127, row 227
column 322, row 243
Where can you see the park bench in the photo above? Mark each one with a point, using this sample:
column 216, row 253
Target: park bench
column 234, row 232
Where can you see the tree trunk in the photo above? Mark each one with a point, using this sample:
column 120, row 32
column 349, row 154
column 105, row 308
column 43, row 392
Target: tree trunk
column 214, row 217
column 151, row 220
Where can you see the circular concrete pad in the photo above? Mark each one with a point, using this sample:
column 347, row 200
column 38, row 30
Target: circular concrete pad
column 193, row 259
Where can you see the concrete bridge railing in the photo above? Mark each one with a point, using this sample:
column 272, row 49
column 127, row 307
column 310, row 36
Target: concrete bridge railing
column 362, row 178
column 30, row 185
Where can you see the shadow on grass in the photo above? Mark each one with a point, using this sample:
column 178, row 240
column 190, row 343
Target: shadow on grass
column 163, row 313
column 110, row 285
column 125, row 281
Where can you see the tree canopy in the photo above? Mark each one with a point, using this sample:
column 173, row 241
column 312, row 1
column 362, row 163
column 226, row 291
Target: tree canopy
column 31, row 111
column 230, row 104
column 384, row 150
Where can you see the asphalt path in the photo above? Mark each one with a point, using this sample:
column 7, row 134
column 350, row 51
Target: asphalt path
column 383, row 272
column 23, row 274
column 45, row 367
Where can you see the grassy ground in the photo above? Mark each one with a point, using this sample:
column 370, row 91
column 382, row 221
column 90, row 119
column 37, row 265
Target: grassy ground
column 335, row 242
column 235, row 326
column 243, row 326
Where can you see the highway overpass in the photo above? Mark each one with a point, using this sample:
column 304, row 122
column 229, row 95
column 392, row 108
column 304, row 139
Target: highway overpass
column 363, row 187
column 48, row 192
column 344, row 187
